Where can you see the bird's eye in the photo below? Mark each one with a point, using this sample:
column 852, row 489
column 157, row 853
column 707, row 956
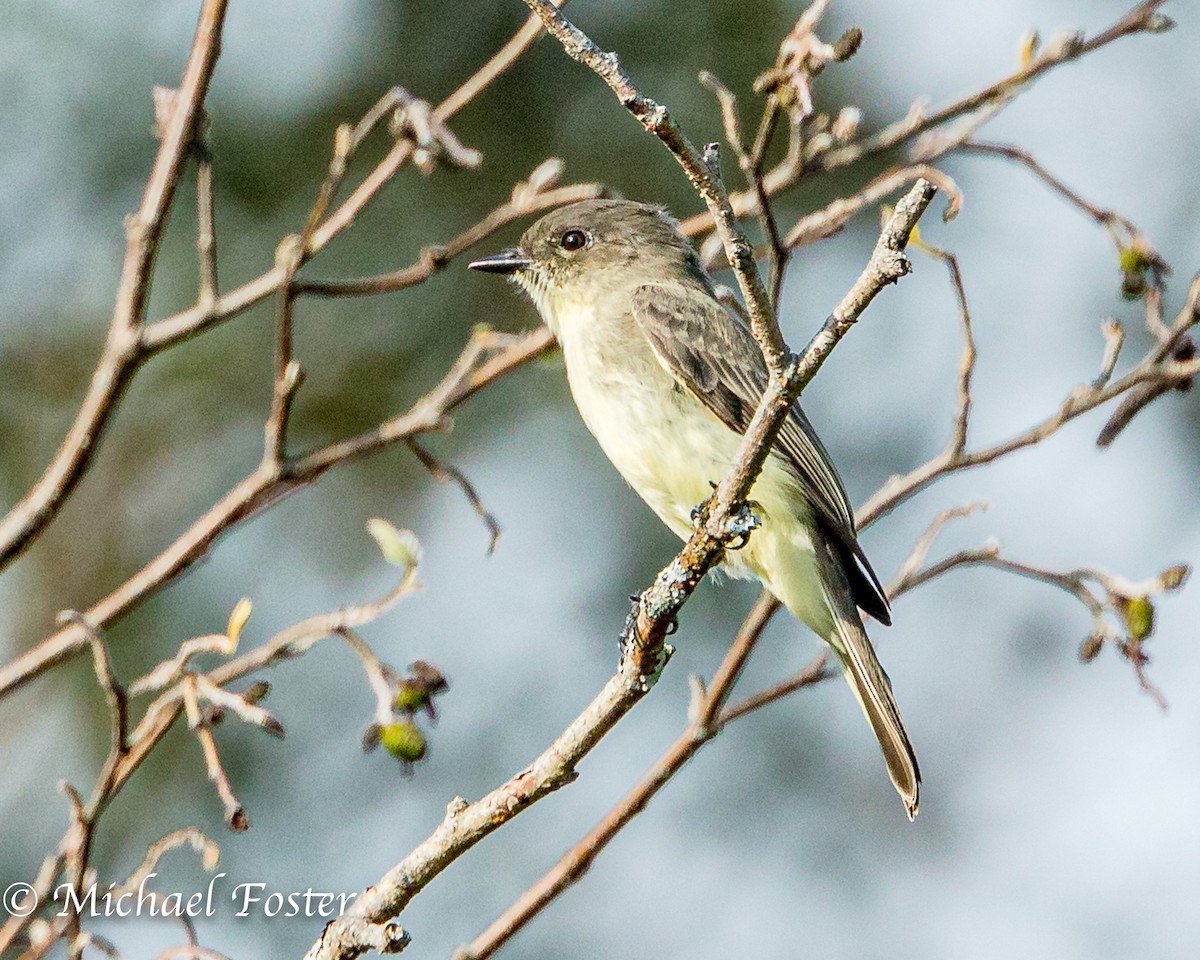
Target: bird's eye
column 574, row 240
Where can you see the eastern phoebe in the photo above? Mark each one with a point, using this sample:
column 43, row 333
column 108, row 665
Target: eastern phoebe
column 667, row 380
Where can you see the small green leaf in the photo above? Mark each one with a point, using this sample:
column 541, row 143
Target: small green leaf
column 1132, row 259
column 1138, row 613
column 410, row 697
column 399, row 547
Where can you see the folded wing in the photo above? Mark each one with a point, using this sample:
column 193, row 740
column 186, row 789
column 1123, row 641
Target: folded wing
column 710, row 352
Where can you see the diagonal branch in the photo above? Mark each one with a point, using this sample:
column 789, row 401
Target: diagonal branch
column 706, row 723
column 486, row 358
column 700, row 169
column 131, row 341
column 123, row 349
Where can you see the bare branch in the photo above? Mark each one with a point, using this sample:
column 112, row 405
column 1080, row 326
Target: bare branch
column 1114, row 339
column 447, row 473
column 486, row 358
column 966, row 364
column 122, row 350
column 465, row 824
column 750, row 160
column 1139, row 20
column 904, row 580
column 702, row 728
column 235, row 813
column 832, row 218
column 817, row 671
column 536, row 195
column 206, row 230
column 1120, row 228
column 825, row 154
column 188, row 836
column 1176, row 351
column 131, row 341
column 1156, row 373
column 378, row 675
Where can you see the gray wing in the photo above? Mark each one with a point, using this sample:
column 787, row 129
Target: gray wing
column 713, row 355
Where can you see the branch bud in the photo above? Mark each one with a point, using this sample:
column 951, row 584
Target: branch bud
column 1158, row 23
column 404, row 741
column 846, row 125
column 847, row 44
column 1174, row 577
column 400, row 548
column 1091, row 647
column 1028, row 50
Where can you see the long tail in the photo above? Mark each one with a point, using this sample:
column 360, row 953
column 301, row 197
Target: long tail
column 871, row 686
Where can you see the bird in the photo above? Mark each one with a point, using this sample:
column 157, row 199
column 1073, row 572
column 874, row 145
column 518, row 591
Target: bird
column 667, row 378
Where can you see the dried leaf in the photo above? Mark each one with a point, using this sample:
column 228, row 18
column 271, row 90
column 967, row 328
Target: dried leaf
column 237, row 619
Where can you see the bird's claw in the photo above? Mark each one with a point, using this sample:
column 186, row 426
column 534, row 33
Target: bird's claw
column 741, row 523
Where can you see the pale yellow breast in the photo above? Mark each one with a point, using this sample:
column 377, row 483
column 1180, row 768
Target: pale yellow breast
column 671, row 449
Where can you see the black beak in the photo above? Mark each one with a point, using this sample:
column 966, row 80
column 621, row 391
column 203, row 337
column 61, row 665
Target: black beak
column 506, row 261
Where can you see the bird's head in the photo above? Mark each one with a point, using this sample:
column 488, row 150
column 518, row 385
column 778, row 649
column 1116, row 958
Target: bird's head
column 594, row 248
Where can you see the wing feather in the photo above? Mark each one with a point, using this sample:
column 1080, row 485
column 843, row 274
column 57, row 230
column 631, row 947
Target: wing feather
column 710, row 351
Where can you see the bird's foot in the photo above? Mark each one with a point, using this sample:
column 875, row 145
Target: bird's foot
column 699, row 511
column 742, row 521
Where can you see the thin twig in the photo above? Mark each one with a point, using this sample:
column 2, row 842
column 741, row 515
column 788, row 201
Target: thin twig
column 704, row 726
column 750, row 161
column 448, row 473
column 832, row 218
column 966, row 363
column 485, row 359
column 1138, row 20
column 235, row 813
column 817, row 671
column 206, row 230
column 1120, row 228
column 904, row 580
column 131, row 341
column 434, row 259
column 1174, row 350
column 829, row 156
column 122, row 350
column 1079, row 401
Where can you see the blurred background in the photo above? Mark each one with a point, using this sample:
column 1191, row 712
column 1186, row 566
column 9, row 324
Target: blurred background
column 1058, row 816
